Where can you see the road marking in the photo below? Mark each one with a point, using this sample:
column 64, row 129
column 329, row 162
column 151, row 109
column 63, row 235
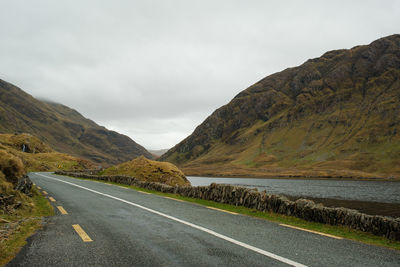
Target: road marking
column 62, row 210
column 175, row 199
column 39, row 188
column 52, row 199
column 82, row 233
column 310, row 231
column 144, row 192
column 211, row 232
column 44, row 193
column 227, row 211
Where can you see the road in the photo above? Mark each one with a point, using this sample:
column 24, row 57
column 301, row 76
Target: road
column 125, row 227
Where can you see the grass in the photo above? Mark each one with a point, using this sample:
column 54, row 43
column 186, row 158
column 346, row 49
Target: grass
column 149, row 170
column 14, row 163
column 33, row 144
column 339, row 231
column 44, row 159
column 32, row 221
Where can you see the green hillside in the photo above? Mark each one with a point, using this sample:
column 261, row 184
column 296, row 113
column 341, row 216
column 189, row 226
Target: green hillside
column 334, row 116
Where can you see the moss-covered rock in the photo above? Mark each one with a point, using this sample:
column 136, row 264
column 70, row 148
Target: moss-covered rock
column 149, row 170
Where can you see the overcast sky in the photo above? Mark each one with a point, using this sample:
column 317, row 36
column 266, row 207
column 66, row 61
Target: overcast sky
column 154, row 70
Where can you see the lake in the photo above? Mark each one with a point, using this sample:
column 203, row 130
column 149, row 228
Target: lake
column 375, row 191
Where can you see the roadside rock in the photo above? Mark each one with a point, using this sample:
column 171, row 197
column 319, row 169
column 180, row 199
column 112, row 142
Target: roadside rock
column 24, row 185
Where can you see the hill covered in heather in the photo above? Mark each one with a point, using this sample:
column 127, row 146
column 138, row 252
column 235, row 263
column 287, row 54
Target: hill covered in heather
column 63, row 128
column 336, row 115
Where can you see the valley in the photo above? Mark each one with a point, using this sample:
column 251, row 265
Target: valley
column 327, row 129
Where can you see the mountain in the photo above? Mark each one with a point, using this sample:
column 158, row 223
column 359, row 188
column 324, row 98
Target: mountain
column 64, row 129
column 334, row 116
column 157, row 153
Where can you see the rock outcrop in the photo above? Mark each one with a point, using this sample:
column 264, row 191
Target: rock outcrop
column 150, row 171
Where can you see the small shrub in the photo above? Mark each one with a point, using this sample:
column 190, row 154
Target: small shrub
column 11, row 166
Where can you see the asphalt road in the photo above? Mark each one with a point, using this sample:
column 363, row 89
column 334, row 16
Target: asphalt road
column 130, row 228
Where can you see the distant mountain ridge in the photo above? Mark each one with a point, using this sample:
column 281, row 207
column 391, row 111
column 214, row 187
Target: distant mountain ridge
column 337, row 115
column 157, row 152
column 63, row 128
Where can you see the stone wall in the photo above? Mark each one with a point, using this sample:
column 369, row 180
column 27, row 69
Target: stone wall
column 239, row 196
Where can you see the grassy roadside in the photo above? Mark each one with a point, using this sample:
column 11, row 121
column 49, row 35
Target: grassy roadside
column 339, row 231
column 26, row 223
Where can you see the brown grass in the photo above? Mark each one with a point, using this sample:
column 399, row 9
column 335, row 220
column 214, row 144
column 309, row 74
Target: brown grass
column 24, row 222
column 149, row 170
column 32, row 143
column 236, row 170
column 11, row 166
column 40, row 158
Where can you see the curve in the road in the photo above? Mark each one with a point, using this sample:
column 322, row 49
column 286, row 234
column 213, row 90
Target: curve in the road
column 226, row 238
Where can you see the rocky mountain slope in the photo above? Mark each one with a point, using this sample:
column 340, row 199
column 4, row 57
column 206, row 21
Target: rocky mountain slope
column 336, row 115
column 64, row 129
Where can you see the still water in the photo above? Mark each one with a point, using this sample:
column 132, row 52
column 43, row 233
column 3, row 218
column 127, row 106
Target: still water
column 382, row 191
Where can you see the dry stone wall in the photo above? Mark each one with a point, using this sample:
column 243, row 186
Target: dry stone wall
column 261, row 201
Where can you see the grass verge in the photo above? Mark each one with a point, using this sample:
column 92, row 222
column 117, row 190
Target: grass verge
column 27, row 221
column 339, row 231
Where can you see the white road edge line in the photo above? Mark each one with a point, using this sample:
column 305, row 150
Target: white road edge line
column 226, row 238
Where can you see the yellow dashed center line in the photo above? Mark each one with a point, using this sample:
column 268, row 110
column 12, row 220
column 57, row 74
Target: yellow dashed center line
column 62, row 210
column 44, row 193
column 227, row 211
column 81, row 233
column 311, row 231
column 174, row 199
column 52, row 199
column 145, row 192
